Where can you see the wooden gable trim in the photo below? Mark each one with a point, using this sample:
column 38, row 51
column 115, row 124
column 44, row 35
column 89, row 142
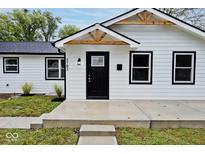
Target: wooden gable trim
column 93, row 42
column 97, row 33
column 135, row 22
column 144, row 18
column 97, row 38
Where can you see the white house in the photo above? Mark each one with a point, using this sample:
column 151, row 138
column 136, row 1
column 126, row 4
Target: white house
column 141, row 54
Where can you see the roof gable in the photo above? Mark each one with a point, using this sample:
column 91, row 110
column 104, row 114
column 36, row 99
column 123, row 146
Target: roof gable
column 60, row 43
column 160, row 14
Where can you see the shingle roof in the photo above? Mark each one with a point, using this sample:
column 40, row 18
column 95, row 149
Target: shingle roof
column 28, row 47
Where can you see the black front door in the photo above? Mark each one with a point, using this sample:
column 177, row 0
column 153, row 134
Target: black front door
column 97, row 75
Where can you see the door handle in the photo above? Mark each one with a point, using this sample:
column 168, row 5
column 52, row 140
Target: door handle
column 89, row 78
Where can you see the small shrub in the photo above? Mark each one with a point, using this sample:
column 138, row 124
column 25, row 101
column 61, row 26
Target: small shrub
column 27, row 87
column 58, row 90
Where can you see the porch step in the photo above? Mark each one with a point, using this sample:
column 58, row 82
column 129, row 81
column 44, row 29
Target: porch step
column 97, row 130
column 97, row 140
column 97, row 135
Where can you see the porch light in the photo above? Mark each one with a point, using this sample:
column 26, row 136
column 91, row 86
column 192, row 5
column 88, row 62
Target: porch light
column 79, row 61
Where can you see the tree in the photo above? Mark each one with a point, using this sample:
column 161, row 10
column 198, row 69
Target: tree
column 27, row 25
column 49, row 25
column 191, row 15
column 67, row 30
column 7, row 29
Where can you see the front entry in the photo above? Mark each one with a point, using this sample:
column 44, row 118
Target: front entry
column 97, row 75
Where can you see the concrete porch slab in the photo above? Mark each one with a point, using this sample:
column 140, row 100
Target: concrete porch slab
column 128, row 113
column 174, row 114
column 172, row 110
column 76, row 113
column 197, row 105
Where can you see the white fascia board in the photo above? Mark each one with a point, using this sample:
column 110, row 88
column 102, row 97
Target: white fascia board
column 130, row 14
column 61, row 42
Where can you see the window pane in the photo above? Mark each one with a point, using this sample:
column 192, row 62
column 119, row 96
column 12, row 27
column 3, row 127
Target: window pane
column 183, row 60
column 97, row 61
column 11, row 68
column 140, row 74
column 62, row 73
column 183, row 75
column 11, row 61
column 62, row 63
column 52, row 63
column 53, row 73
column 141, row 60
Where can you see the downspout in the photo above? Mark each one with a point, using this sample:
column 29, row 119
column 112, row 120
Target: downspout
column 65, row 61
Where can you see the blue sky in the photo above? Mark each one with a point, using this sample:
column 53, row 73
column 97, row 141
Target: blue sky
column 85, row 17
column 82, row 17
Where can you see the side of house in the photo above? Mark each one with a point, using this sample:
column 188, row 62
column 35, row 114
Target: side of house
column 38, row 63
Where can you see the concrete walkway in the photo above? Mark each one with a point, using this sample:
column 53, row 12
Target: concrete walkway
column 18, row 122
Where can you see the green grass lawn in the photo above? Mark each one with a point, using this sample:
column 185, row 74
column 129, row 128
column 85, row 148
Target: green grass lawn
column 53, row 136
column 27, row 106
column 142, row 136
column 1, row 99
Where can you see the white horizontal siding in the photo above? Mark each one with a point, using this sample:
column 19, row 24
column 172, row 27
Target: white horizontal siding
column 162, row 40
column 32, row 70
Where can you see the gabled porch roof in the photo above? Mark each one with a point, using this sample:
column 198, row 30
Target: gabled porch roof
column 97, row 32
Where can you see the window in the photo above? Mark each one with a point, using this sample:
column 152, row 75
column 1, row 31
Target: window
column 97, row 61
column 183, row 68
column 55, row 68
column 11, row 64
column 141, row 67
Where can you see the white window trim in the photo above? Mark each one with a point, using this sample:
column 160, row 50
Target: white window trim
column 59, row 69
column 149, row 67
column 17, row 65
column 192, row 67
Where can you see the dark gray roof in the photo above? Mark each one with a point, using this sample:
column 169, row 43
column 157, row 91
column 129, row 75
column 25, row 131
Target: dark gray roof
column 28, row 47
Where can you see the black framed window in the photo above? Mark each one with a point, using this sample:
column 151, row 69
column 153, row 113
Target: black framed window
column 183, row 68
column 55, row 68
column 140, row 67
column 11, row 64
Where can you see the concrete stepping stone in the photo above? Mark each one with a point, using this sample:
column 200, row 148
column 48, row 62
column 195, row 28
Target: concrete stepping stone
column 97, row 135
column 97, row 140
column 97, row 130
